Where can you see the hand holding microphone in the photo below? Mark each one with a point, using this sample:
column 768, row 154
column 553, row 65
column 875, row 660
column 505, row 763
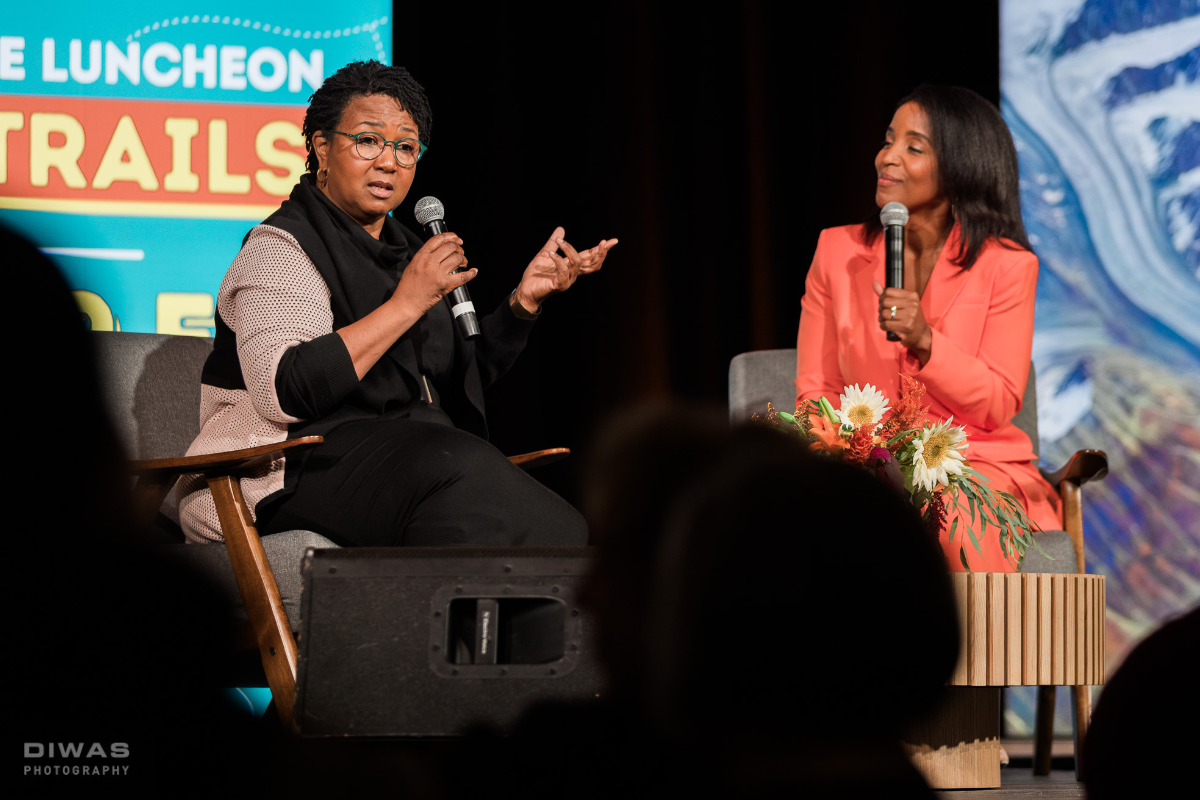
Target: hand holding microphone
column 908, row 325
column 432, row 273
column 900, row 311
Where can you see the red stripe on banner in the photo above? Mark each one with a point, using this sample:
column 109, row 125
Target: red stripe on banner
column 57, row 149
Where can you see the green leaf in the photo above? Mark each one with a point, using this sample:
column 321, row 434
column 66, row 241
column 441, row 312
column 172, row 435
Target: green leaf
column 953, row 528
column 986, row 492
column 974, row 541
column 1038, row 547
column 959, row 507
column 962, row 556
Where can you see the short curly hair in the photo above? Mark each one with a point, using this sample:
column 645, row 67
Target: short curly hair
column 358, row 79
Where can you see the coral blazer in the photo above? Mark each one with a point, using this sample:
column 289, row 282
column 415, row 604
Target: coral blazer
column 982, row 321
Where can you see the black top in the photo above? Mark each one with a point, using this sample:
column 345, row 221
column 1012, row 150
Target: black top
column 316, row 380
column 300, row 376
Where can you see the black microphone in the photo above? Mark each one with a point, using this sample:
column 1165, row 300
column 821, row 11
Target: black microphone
column 894, row 217
column 432, row 214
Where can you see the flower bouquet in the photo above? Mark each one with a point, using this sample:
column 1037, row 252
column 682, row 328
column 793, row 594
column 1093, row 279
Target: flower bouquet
column 924, row 462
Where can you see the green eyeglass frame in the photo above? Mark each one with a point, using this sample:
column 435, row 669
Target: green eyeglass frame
column 421, row 148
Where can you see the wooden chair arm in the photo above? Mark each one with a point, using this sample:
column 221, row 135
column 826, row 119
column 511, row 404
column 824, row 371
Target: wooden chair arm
column 156, row 477
column 1084, row 466
column 539, row 458
column 229, row 461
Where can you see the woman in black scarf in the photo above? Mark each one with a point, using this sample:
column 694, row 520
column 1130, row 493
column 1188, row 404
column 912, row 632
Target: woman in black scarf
column 334, row 320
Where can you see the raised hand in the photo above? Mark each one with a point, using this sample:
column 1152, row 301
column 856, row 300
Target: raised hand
column 550, row 273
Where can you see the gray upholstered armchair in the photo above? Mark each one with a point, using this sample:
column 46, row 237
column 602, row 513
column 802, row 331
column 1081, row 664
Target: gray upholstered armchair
column 152, row 391
column 769, row 375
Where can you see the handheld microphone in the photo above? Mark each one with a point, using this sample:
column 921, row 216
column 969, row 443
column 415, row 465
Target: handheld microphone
column 432, row 215
column 894, row 217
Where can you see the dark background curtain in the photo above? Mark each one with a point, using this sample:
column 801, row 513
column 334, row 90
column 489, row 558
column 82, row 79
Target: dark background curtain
column 715, row 140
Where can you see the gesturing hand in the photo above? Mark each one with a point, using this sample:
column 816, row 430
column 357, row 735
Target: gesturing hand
column 427, row 278
column 549, row 273
column 908, row 321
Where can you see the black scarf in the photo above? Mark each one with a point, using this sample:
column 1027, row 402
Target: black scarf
column 362, row 273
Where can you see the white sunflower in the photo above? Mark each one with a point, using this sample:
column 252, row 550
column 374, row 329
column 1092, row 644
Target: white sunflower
column 939, row 454
column 858, row 407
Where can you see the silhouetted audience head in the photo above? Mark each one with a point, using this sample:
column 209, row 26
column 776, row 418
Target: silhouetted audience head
column 112, row 643
column 638, row 467
column 770, row 619
column 787, row 585
column 1142, row 739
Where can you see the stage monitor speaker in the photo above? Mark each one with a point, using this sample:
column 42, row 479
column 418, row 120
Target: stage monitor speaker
column 427, row 641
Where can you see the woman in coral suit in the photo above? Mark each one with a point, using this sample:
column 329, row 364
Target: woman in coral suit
column 965, row 314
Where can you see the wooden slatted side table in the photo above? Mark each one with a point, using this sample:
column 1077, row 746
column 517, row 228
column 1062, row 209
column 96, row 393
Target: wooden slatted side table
column 1017, row 629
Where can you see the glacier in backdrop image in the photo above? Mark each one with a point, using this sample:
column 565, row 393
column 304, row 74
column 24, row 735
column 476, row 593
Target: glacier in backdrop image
column 1103, row 101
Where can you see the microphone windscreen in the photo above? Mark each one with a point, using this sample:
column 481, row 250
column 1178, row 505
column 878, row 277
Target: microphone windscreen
column 892, row 214
column 430, row 208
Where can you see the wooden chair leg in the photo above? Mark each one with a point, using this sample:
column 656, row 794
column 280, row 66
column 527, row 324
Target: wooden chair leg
column 260, row 594
column 1082, row 708
column 1043, row 731
column 1072, row 501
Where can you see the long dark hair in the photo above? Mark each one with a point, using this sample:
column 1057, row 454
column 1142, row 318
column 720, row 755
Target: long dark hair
column 977, row 169
column 359, row 79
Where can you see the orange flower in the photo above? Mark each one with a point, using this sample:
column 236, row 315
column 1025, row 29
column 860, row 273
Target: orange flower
column 908, row 414
column 909, row 409
column 829, row 436
column 860, row 446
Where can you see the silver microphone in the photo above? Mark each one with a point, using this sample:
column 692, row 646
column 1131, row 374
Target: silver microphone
column 431, row 214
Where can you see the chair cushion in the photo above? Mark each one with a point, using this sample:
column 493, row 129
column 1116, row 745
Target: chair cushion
column 1027, row 419
column 1058, row 546
column 284, row 551
column 758, row 377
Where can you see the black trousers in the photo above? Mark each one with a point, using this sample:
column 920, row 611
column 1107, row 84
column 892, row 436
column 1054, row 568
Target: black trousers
column 390, row 482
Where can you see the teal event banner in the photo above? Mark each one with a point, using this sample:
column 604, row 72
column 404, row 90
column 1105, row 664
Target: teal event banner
column 140, row 142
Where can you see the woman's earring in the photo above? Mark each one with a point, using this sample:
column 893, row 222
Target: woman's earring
column 323, row 179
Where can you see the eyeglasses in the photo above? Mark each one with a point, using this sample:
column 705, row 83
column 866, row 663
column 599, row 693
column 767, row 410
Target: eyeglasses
column 369, row 145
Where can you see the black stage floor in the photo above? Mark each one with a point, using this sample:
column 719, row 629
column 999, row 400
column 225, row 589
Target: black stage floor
column 1021, row 782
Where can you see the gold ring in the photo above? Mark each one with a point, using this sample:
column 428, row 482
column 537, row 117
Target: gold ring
column 893, row 312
